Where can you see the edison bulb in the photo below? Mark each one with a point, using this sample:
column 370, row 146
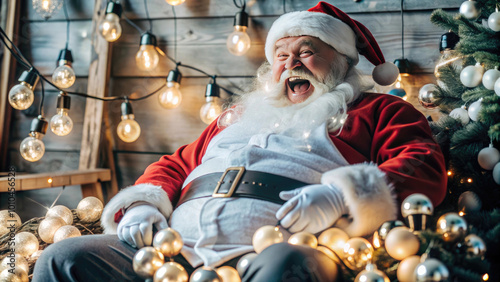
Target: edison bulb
column 32, row 147
column 171, row 97
column 21, row 96
column 238, row 42
column 210, row 111
column 175, row 2
column 64, row 76
column 46, row 8
column 147, row 58
column 110, row 27
column 61, row 124
column 128, row 129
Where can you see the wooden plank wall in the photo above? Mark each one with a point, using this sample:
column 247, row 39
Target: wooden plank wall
column 202, row 28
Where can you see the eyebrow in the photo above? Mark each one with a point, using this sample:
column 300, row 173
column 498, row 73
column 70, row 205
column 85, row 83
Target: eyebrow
column 303, row 42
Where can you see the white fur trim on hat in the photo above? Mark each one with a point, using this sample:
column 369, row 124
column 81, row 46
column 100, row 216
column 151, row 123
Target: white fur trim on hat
column 330, row 30
column 369, row 198
column 150, row 193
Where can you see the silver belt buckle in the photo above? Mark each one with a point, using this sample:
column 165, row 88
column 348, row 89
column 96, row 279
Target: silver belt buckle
column 237, row 179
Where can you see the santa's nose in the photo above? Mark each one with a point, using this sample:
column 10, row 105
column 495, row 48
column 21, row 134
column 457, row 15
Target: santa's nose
column 292, row 62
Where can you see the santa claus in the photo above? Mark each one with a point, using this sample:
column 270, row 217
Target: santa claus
column 307, row 148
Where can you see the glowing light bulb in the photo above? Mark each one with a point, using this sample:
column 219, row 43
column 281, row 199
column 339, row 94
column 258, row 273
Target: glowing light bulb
column 238, row 42
column 21, row 96
column 175, row 2
column 147, row 57
column 47, row 8
column 32, row 147
column 61, row 124
column 128, row 129
column 210, row 110
column 172, row 96
column 110, row 27
column 64, row 75
column 399, row 83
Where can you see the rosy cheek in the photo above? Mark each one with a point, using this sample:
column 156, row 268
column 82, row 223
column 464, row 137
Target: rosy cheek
column 277, row 71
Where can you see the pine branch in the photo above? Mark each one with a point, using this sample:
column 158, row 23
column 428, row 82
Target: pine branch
column 449, row 75
column 475, row 94
column 444, row 20
column 489, row 60
column 494, row 132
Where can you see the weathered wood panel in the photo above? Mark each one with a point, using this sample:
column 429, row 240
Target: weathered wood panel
column 130, row 166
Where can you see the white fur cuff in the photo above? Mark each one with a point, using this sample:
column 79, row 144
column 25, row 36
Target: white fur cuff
column 150, row 193
column 367, row 195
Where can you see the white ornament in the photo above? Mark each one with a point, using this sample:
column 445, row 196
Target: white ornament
column 488, row 157
column 497, row 87
column 490, row 77
column 474, row 109
column 496, row 173
column 494, row 21
column 385, row 74
column 460, row 114
column 471, row 76
column 469, row 10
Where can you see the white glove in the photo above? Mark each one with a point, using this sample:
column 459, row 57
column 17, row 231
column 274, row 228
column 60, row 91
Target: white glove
column 136, row 226
column 312, row 208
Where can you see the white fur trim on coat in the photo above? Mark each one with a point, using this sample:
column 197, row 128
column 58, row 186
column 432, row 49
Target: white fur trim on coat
column 328, row 29
column 367, row 195
column 150, row 193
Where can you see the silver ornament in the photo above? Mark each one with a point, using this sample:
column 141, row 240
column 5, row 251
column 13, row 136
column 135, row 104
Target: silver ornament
column 431, row 270
column 146, row 261
column 245, row 262
column 468, row 202
column 171, row 272
column 461, row 114
column 496, row 173
column 469, row 10
column 490, row 77
column 371, row 274
column 452, row 227
column 415, row 209
column 471, row 76
column 168, row 241
column 426, row 97
column 488, row 157
column 476, row 248
column 494, row 21
column 205, row 274
column 474, row 109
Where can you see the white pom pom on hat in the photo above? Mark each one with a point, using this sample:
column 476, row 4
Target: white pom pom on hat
column 338, row 30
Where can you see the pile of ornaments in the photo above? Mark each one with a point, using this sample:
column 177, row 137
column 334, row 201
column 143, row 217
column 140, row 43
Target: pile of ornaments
column 56, row 226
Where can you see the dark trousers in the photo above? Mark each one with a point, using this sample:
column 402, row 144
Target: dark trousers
column 106, row 258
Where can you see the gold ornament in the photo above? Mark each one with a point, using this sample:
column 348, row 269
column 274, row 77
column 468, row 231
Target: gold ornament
column 171, row 272
column 381, row 234
column 168, row 242
column 228, row 274
column 146, row 261
column 431, row 270
column 26, row 243
column 266, row 236
column 357, row 253
column 18, row 275
column 406, row 268
column 89, row 209
column 245, row 262
column 452, row 227
column 334, row 239
column 48, row 228
column 14, row 261
column 36, row 255
column 62, row 212
column 416, row 208
column 401, row 243
column 205, row 274
column 371, row 274
column 67, row 231
column 329, row 253
column 476, row 248
column 304, row 239
column 9, row 221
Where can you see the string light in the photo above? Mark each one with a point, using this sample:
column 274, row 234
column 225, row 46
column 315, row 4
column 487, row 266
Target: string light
column 147, row 57
column 211, row 109
column 450, row 173
column 175, row 2
column 49, row 180
column 110, row 27
column 61, row 124
column 21, row 96
column 128, row 129
column 64, row 75
column 172, row 96
column 469, row 180
column 47, row 8
column 486, row 277
column 32, row 147
column 238, row 42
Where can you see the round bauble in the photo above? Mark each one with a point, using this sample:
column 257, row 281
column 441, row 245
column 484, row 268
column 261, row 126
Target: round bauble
column 14, row 261
column 461, row 114
column 36, row 255
column 452, row 227
column 205, row 274
column 381, row 233
column 401, row 243
column 496, row 173
column 497, row 87
column 304, row 239
column 416, row 204
column 89, row 209
column 494, row 21
column 168, row 241
column 245, row 262
column 146, row 261
column 426, row 97
column 469, row 10
column 371, row 274
column 330, row 254
column 471, row 76
column 406, row 268
column 335, row 239
column 431, row 270
column 48, row 227
column 171, row 272
column 266, row 236
column 26, row 243
column 488, row 157
column 65, row 232
column 490, row 77
column 62, row 212
column 474, row 109
column 469, row 202
column 18, row 275
column 357, row 253
column 385, row 74
column 228, row 274
column 8, row 220
column 476, row 248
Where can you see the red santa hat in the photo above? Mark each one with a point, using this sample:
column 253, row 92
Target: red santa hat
column 338, row 30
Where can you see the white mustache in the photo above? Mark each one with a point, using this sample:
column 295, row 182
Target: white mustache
column 299, row 72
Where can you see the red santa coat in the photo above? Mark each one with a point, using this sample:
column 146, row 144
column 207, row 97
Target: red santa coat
column 385, row 139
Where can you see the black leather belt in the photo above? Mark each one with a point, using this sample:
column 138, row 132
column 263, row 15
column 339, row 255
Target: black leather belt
column 238, row 182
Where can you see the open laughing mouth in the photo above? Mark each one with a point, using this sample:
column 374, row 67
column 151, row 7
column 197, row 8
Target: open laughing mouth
column 298, row 85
